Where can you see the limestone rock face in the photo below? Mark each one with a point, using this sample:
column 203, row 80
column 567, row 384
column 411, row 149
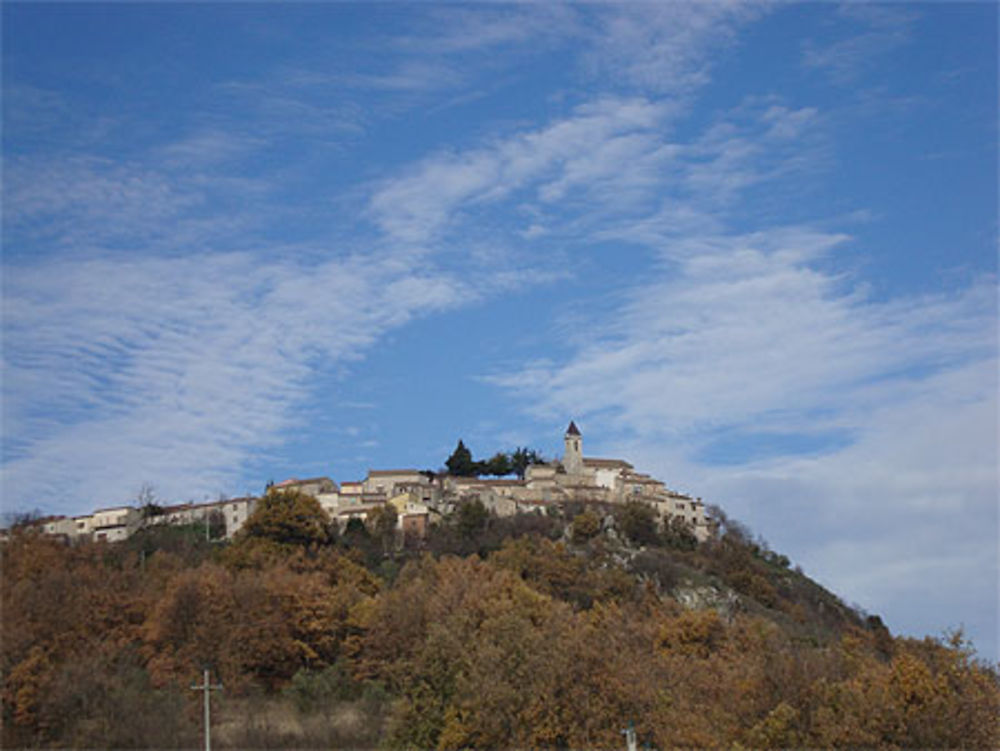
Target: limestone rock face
column 722, row 600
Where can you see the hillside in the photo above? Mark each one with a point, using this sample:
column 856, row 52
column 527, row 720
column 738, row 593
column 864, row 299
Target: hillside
column 538, row 630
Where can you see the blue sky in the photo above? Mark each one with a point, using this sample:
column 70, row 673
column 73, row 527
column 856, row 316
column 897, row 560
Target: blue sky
column 750, row 247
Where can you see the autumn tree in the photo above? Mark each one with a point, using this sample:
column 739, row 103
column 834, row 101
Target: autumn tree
column 281, row 522
column 586, row 526
column 382, row 521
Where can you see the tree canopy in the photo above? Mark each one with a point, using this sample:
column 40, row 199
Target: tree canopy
column 543, row 636
column 281, row 521
column 460, row 462
column 501, row 464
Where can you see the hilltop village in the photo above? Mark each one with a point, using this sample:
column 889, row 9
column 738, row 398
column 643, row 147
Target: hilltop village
column 417, row 496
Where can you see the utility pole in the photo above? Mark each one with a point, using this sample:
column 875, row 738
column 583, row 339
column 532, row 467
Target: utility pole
column 206, row 687
column 631, row 742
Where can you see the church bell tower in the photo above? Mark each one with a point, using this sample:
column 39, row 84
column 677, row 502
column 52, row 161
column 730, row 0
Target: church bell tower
column 573, row 451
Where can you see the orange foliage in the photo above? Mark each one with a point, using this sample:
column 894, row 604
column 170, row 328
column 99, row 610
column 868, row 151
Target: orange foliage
column 538, row 646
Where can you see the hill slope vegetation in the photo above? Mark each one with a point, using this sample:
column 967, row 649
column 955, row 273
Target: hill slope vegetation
column 552, row 631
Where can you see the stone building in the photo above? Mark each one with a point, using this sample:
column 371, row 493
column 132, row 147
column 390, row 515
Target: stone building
column 115, row 524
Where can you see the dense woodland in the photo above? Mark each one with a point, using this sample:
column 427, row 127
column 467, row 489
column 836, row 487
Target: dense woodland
column 534, row 631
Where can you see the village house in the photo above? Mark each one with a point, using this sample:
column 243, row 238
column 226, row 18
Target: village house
column 114, row 524
column 231, row 513
column 412, row 514
column 350, row 492
column 59, row 526
column 390, row 481
column 312, row 486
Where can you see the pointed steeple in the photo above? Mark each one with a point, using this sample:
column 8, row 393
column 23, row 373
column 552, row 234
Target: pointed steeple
column 573, row 451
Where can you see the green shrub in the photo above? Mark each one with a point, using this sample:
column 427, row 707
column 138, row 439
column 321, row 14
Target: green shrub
column 311, row 689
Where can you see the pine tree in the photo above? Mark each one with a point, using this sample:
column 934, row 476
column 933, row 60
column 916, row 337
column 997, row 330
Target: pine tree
column 460, row 462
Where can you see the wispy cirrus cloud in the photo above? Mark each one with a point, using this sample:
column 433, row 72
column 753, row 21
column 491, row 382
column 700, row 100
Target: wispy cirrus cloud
column 458, row 31
column 653, row 49
column 409, row 76
column 87, row 203
column 748, row 331
column 662, row 48
column 574, row 152
column 180, row 368
column 877, row 30
column 610, row 169
column 87, row 199
column 210, row 147
column 289, row 104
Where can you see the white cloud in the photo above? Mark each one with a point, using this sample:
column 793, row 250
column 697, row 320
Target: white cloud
column 747, row 328
column 408, row 76
column 609, row 154
column 210, row 147
column 177, row 370
column 663, row 47
column 62, row 193
column 571, row 152
column 462, row 30
column 884, row 29
column 294, row 104
column 86, row 202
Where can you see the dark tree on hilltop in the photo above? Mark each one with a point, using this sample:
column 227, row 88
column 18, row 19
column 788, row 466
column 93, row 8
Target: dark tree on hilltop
column 460, row 462
column 522, row 458
column 499, row 465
